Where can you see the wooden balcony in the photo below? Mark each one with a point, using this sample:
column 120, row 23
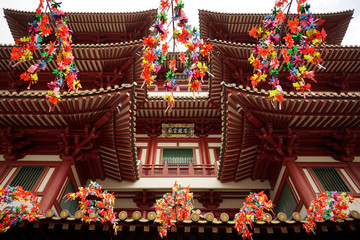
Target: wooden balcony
column 178, row 170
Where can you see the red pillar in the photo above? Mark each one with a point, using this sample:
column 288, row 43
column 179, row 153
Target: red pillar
column 301, row 183
column 151, row 150
column 204, row 151
column 207, row 155
column 54, row 185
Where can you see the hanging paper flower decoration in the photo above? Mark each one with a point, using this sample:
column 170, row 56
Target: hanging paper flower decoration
column 12, row 215
column 66, row 72
column 252, row 210
column 156, row 49
column 172, row 206
column 300, row 47
column 327, row 206
column 93, row 199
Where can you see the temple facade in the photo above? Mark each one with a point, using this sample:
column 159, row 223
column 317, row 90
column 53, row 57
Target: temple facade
column 229, row 141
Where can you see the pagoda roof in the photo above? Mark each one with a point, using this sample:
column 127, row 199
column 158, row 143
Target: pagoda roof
column 253, row 127
column 230, row 63
column 236, row 27
column 100, row 65
column 184, row 107
column 104, row 117
column 90, row 27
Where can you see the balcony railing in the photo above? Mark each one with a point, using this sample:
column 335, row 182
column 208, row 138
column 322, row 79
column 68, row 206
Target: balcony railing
column 178, row 170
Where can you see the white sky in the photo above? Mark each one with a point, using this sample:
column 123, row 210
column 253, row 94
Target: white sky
column 191, row 8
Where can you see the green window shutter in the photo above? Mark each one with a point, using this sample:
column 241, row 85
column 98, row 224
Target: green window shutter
column 27, row 177
column 178, row 155
column 70, row 205
column 286, row 203
column 330, row 179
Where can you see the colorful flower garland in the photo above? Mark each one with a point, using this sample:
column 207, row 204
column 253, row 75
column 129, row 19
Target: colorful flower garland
column 156, row 49
column 102, row 206
column 172, row 206
column 301, row 47
column 251, row 211
column 327, row 206
column 66, row 72
column 15, row 214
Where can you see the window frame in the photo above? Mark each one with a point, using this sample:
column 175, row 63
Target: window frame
column 38, row 182
column 319, row 185
column 162, row 154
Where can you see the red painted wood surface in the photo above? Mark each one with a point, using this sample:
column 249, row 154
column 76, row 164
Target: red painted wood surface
column 54, row 185
column 178, row 170
column 302, row 185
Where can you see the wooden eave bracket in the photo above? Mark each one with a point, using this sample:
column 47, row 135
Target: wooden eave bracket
column 283, row 148
column 344, row 145
column 14, row 143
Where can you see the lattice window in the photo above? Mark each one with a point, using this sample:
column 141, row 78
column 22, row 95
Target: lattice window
column 330, row 179
column 70, row 205
column 286, row 203
column 178, row 155
column 27, row 177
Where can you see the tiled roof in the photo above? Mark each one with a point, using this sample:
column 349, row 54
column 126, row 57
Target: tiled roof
column 246, row 111
column 236, row 27
column 30, row 110
column 97, row 27
column 198, row 224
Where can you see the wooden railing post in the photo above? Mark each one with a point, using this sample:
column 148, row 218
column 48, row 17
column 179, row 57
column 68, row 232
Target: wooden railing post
column 191, row 171
column 215, row 168
column 185, row 170
column 140, row 169
column 165, row 169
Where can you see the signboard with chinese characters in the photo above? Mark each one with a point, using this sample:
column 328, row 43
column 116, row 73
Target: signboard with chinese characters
column 177, row 130
column 181, row 77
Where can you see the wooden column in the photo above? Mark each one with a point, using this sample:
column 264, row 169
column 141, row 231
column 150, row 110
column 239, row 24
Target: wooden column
column 301, row 183
column 204, row 151
column 206, row 148
column 53, row 187
column 151, row 153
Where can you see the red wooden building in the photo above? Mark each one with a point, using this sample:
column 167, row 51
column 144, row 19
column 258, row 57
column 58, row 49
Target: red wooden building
column 228, row 141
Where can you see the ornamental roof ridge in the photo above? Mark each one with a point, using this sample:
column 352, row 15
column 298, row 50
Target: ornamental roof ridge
column 241, row 44
column 259, row 14
column 178, row 98
column 292, row 94
column 76, row 45
column 123, row 217
column 128, row 13
column 42, row 93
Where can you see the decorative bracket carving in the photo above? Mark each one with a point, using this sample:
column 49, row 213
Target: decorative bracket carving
column 144, row 199
column 281, row 147
column 210, row 200
column 14, row 143
column 343, row 144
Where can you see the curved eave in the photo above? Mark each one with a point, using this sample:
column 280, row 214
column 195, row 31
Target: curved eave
column 184, row 108
column 111, row 111
column 246, row 110
column 88, row 57
column 216, row 25
column 130, row 23
column 230, row 58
